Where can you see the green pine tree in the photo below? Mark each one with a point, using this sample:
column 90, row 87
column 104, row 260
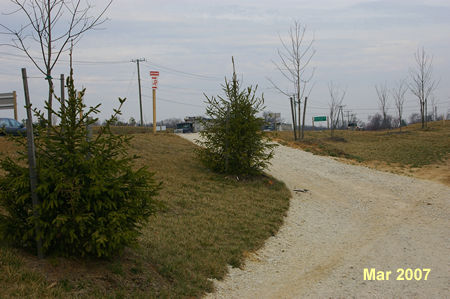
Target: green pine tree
column 233, row 141
column 93, row 200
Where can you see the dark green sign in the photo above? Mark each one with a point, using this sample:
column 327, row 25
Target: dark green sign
column 320, row 118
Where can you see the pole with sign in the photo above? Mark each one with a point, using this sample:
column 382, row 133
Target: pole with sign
column 320, row 118
column 154, row 75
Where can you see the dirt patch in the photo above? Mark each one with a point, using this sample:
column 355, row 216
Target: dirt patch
column 437, row 172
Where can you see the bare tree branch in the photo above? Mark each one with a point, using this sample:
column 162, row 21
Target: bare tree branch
column 398, row 93
column 46, row 28
column 382, row 93
column 336, row 98
column 277, row 88
column 295, row 56
column 421, row 82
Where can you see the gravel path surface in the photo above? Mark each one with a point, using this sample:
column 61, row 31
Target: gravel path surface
column 351, row 218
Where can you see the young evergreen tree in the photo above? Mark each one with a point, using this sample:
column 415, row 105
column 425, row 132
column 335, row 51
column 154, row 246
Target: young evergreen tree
column 233, row 141
column 92, row 200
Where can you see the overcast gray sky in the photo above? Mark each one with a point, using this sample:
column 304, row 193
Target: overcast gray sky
column 190, row 42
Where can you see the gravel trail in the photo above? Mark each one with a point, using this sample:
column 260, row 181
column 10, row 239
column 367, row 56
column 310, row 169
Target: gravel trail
column 351, row 218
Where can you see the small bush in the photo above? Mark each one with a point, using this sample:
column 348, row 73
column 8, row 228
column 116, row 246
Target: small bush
column 92, row 200
column 233, row 141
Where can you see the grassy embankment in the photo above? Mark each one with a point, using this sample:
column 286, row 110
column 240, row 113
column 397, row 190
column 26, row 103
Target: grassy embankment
column 424, row 153
column 210, row 221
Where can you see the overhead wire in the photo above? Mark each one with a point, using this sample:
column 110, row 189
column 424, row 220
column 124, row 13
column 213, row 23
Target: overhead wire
column 180, row 72
column 175, row 102
column 94, row 62
column 174, row 71
column 131, row 81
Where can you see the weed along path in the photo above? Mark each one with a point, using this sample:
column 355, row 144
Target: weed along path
column 355, row 232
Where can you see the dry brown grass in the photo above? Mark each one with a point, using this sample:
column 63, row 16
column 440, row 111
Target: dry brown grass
column 209, row 221
column 422, row 153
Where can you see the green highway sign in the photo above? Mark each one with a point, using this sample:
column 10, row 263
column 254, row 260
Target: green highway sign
column 320, row 118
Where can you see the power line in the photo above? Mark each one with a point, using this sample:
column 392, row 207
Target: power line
column 175, row 102
column 130, row 82
column 93, row 62
column 189, row 74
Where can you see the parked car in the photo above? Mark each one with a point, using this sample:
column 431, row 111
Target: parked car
column 12, row 127
column 184, row 128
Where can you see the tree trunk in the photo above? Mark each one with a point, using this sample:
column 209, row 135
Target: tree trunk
column 300, row 133
column 293, row 118
column 304, row 115
column 422, row 111
column 50, row 100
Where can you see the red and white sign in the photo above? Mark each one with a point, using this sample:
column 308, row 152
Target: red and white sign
column 154, row 82
column 154, row 75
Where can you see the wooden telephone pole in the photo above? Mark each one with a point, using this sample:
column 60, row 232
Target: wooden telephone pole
column 139, row 85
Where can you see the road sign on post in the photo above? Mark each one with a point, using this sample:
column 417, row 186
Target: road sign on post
column 154, row 82
column 320, row 118
column 154, row 75
column 9, row 101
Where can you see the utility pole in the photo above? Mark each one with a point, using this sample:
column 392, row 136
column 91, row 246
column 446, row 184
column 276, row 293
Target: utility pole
column 139, row 85
column 341, row 115
column 154, row 110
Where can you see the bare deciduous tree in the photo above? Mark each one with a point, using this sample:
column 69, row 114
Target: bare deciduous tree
column 382, row 93
column 51, row 26
column 295, row 56
column 336, row 98
column 422, row 83
column 398, row 93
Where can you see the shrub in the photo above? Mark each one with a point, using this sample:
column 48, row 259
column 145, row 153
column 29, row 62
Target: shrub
column 376, row 122
column 92, row 200
column 233, row 141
